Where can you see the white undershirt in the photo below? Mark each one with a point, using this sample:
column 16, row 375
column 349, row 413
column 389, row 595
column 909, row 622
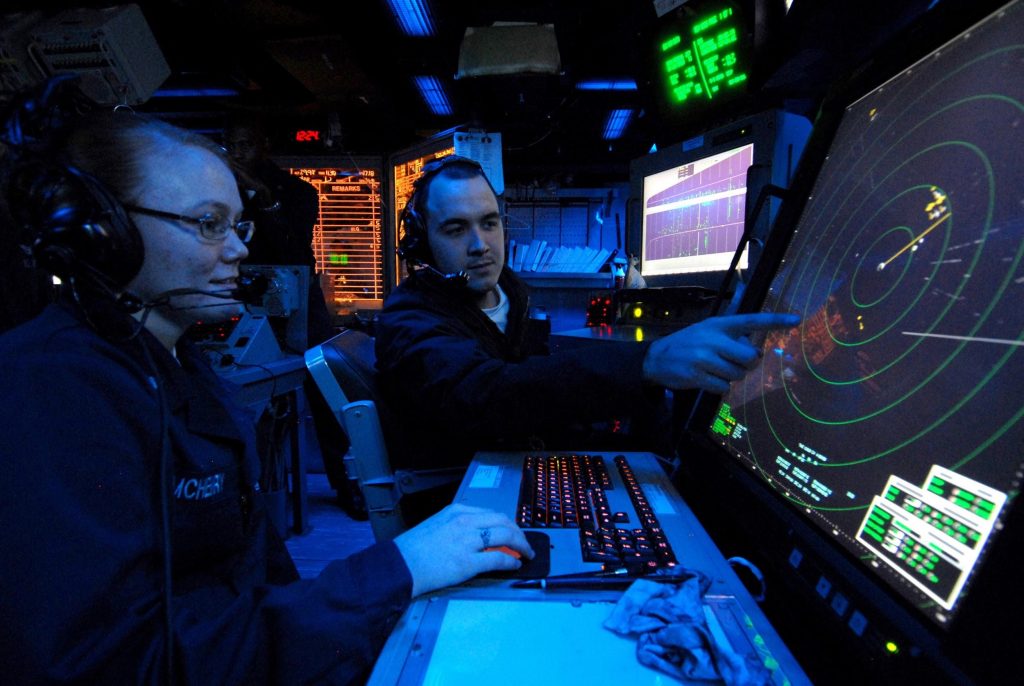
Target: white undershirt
column 499, row 313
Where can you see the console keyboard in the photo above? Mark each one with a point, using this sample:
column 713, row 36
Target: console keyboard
column 570, row 491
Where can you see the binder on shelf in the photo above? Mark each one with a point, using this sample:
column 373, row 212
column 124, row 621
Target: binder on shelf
column 520, row 257
column 536, row 259
column 533, row 253
column 538, row 256
column 598, row 260
column 545, row 259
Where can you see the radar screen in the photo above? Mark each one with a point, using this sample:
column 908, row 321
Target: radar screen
column 893, row 416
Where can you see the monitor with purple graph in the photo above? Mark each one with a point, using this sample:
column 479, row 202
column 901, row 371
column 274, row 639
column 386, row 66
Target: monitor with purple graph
column 692, row 216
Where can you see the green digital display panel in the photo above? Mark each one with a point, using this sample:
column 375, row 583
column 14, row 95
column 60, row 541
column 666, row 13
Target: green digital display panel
column 703, row 57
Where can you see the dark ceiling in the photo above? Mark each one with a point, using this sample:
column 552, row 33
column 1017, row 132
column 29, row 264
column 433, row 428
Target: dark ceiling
column 347, row 67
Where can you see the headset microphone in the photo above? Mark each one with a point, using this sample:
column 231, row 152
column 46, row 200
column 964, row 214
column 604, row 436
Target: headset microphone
column 131, row 303
column 249, row 290
column 457, row 279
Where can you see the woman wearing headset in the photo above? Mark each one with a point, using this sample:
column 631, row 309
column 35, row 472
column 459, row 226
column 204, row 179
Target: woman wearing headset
column 135, row 544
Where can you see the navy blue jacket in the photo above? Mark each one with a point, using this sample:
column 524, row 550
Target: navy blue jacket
column 458, row 384
column 81, row 577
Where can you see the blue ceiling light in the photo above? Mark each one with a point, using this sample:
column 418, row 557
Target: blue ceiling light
column 618, row 120
column 195, row 93
column 432, row 91
column 606, row 85
column 413, row 17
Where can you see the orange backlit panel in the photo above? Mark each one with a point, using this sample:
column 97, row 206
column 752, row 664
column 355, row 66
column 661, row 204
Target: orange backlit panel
column 347, row 239
column 404, row 175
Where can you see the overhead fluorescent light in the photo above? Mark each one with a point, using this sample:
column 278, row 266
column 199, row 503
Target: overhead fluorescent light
column 413, row 17
column 432, row 91
column 617, row 122
column 606, row 85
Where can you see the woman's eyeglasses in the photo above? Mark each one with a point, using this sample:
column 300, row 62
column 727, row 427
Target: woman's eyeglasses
column 211, row 226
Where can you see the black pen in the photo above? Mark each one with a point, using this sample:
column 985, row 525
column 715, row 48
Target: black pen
column 603, row 583
column 600, row 573
column 607, row 579
column 603, row 580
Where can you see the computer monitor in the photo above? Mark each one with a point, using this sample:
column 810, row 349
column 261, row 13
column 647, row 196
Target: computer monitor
column 692, row 214
column 883, row 435
column 692, row 197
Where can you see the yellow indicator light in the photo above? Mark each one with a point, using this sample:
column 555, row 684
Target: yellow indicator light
column 638, row 312
column 892, row 648
column 639, row 335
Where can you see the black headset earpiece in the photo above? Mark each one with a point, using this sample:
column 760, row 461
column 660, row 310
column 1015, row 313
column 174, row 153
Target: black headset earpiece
column 414, row 249
column 75, row 225
column 78, row 227
column 413, row 246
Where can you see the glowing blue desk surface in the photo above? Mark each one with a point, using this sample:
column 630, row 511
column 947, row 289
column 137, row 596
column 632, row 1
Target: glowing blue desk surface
column 486, row 632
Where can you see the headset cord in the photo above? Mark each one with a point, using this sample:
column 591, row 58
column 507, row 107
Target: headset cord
column 166, row 479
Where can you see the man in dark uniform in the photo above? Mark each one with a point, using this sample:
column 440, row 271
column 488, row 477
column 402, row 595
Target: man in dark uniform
column 459, row 359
